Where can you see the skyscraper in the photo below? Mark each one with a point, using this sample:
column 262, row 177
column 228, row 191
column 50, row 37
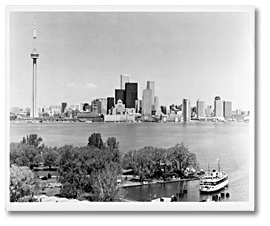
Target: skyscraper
column 124, row 78
column 156, row 103
column 110, row 104
column 186, row 110
column 131, row 90
column 227, row 109
column 120, row 94
column 146, row 102
column 218, row 104
column 200, row 109
column 151, row 85
column 34, row 55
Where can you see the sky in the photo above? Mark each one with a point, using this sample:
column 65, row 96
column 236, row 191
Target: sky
column 195, row 55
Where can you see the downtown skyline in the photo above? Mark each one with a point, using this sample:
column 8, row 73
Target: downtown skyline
column 83, row 54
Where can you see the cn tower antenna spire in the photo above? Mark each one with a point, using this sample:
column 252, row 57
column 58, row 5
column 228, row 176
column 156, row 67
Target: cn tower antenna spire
column 35, row 33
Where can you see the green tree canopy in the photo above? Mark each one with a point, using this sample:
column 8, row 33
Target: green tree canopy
column 32, row 139
column 23, row 185
column 95, row 140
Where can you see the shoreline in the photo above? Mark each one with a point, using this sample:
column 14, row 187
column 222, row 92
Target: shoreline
column 136, row 184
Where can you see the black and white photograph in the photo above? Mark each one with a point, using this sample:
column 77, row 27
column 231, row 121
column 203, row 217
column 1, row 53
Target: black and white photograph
column 130, row 108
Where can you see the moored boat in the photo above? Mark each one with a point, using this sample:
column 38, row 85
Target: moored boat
column 214, row 181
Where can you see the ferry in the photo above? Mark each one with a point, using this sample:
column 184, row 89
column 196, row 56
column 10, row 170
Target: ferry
column 214, row 181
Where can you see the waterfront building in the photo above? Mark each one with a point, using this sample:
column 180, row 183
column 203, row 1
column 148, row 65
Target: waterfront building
column 101, row 104
column 156, row 104
column 186, row 110
column 34, row 56
column 208, row 110
column 218, row 104
column 227, row 108
column 131, row 94
column 130, row 111
column 138, row 106
column 200, row 109
column 110, row 104
column 63, row 107
column 124, row 78
column 119, row 108
column 147, row 102
column 151, row 85
column 119, row 118
column 120, row 94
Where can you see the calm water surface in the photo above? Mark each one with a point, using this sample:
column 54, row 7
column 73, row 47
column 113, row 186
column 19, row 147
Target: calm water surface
column 210, row 141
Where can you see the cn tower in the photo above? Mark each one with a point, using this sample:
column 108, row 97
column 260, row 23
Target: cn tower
column 34, row 55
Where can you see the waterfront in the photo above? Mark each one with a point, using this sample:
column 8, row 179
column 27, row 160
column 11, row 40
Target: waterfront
column 227, row 141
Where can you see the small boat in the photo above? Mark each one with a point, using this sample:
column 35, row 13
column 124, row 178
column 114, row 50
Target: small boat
column 214, row 181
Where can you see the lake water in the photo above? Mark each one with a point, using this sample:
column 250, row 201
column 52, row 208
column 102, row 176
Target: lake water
column 228, row 141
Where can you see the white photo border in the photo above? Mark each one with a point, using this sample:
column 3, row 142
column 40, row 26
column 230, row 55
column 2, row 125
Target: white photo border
column 137, row 206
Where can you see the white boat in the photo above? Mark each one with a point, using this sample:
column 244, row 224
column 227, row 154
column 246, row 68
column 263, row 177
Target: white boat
column 214, row 181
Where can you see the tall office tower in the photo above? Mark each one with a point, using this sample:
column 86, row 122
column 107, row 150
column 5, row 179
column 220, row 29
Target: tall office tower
column 208, row 110
column 110, row 104
column 156, row 103
column 138, row 106
column 227, row 108
column 120, row 94
column 151, row 85
column 218, row 104
column 34, row 55
column 124, row 78
column 63, row 107
column 186, row 110
column 131, row 94
column 146, row 102
column 200, row 109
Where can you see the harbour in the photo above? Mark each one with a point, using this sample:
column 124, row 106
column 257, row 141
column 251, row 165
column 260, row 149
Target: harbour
column 209, row 141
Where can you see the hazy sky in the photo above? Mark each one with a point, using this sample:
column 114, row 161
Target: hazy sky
column 188, row 55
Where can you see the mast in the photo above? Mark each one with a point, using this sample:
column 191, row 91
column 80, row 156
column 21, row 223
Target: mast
column 218, row 165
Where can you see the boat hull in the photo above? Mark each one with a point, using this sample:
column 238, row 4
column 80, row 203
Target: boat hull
column 211, row 188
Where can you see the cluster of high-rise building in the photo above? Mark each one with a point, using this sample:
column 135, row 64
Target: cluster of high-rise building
column 125, row 104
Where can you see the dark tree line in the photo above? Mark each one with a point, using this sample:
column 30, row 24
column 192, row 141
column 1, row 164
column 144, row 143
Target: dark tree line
column 90, row 172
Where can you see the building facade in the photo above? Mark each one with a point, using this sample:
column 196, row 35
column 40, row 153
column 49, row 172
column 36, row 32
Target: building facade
column 186, row 110
column 147, row 102
column 124, row 78
column 218, row 105
column 110, row 104
column 131, row 91
column 200, row 109
column 120, row 94
column 227, row 109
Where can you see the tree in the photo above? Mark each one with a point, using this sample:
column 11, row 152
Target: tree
column 32, row 139
column 105, row 185
column 23, row 185
column 112, row 143
column 50, row 158
column 182, row 157
column 72, row 172
column 23, row 154
column 95, row 140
